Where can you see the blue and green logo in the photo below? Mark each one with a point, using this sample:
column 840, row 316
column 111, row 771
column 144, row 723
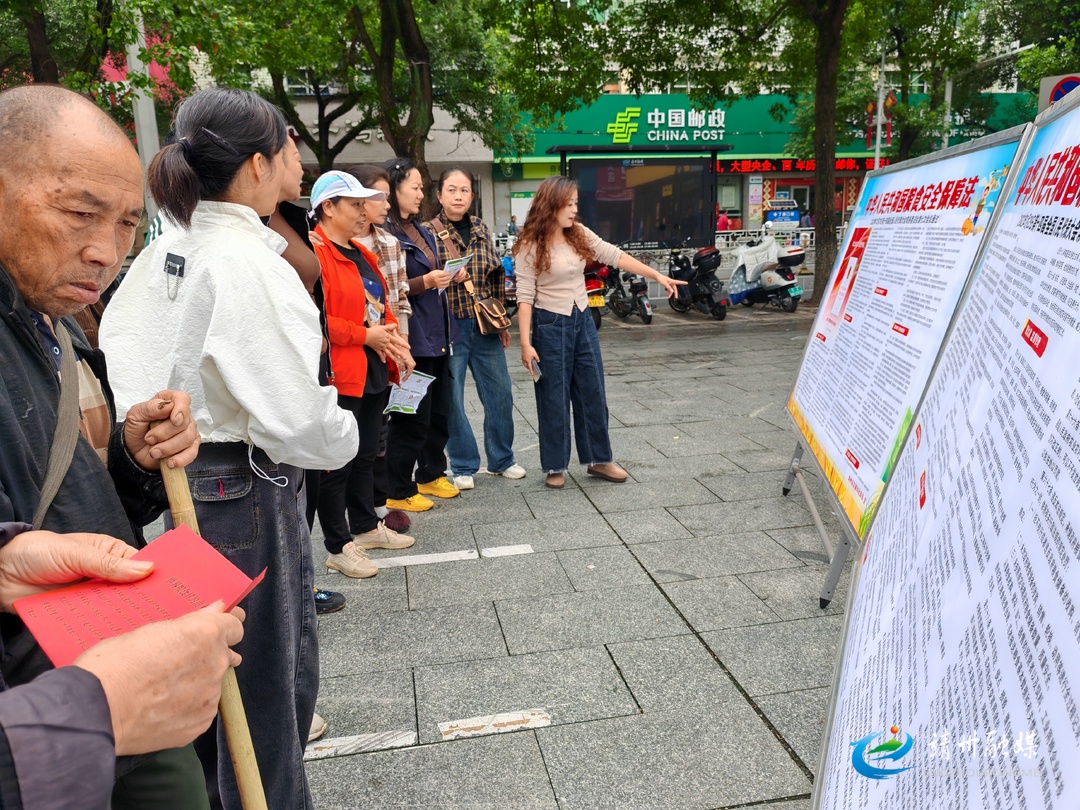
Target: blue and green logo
column 624, row 125
column 865, row 754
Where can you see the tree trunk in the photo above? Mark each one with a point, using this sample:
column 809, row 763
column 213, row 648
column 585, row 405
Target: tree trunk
column 42, row 65
column 828, row 21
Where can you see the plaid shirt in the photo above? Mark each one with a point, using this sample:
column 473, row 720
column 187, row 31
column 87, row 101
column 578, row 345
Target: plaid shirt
column 485, row 266
column 392, row 265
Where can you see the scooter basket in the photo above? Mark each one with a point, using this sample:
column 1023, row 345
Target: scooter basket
column 707, row 259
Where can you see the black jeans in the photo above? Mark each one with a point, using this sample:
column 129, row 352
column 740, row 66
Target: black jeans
column 347, row 495
column 420, row 439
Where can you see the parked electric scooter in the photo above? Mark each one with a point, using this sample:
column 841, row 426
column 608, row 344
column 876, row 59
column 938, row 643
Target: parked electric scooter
column 703, row 291
column 595, row 285
column 503, row 244
column 764, row 274
column 624, row 302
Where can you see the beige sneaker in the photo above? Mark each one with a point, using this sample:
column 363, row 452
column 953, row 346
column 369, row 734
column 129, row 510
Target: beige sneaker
column 382, row 537
column 352, row 562
column 318, row 728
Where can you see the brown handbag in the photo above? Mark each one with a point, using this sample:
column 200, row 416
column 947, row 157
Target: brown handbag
column 491, row 317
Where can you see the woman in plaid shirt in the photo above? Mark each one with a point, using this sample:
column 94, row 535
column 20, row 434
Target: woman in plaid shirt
column 483, row 355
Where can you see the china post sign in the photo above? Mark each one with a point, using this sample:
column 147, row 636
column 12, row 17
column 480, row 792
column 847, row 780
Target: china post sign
column 667, row 124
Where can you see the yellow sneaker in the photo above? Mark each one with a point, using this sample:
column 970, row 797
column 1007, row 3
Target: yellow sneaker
column 414, row 503
column 439, row 488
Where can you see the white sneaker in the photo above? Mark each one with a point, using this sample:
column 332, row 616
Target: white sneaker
column 318, row 728
column 464, row 482
column 352, row 562
column 513, row 472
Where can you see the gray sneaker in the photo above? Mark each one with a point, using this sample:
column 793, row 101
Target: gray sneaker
column 352, row 562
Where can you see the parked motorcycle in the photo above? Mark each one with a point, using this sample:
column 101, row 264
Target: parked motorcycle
column 624, row 302
column 596, row 274
column 703, row 291
column 764, row 274
column 503, row 244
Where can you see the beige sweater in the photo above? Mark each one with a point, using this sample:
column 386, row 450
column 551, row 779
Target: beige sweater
column 562, row 286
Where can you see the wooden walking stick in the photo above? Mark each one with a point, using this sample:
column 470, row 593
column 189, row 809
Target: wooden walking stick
column 231, row 707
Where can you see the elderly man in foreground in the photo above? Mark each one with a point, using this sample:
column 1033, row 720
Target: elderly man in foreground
column 70, row 201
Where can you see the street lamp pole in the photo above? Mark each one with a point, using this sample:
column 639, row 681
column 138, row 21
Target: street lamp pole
column 146, row 130
column 949, row 85
column 880, row 109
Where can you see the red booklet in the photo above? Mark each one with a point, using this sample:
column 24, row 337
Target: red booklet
column 188, row 574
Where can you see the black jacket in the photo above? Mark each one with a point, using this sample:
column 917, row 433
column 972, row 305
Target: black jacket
column 115, row 501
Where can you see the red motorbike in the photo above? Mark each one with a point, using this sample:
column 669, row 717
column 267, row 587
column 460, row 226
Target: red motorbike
column 595, row 285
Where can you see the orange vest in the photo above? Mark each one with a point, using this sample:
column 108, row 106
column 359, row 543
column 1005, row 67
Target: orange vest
column 346, row 305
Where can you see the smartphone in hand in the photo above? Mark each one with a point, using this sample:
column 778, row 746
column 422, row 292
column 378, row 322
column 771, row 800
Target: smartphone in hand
column 534, row 370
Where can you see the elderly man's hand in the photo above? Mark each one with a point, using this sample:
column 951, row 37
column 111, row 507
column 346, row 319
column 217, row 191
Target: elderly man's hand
column 41, row 561
column 162, row 429
column 163, row 681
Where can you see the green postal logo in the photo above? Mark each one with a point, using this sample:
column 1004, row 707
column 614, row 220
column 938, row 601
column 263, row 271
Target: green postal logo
column 624, row 125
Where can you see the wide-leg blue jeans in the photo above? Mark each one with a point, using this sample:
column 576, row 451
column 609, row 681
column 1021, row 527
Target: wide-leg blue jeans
column 257, row 524
column 485, row 357
column 572, row 378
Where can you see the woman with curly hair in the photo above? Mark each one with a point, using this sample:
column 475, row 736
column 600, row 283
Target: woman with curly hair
column 558, row 334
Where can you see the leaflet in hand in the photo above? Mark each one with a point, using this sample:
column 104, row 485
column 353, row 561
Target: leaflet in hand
column 405, row 398
column 453, row 265
column 188, row 574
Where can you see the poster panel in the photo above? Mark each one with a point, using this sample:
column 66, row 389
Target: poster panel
column 902, row 268
column 956, row 681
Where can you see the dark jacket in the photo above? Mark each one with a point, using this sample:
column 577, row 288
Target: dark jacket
column 113, row 501
column 432, row 328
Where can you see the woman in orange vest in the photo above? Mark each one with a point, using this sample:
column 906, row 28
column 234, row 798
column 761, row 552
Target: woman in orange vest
column 366, row 353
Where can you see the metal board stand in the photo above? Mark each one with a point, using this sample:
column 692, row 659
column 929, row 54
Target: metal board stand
column 837, row 553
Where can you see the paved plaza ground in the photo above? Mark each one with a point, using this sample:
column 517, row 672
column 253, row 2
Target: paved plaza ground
column 655, row 644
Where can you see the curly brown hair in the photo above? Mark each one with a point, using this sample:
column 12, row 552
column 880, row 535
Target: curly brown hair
column 541, row 224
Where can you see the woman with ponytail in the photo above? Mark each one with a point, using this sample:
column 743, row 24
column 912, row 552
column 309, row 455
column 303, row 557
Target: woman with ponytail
column 211, row 307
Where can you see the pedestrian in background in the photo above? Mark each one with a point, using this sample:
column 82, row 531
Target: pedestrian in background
column 558, row 334
column 458, row 231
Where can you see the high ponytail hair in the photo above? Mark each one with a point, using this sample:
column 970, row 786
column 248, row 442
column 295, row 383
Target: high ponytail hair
column 217, row 131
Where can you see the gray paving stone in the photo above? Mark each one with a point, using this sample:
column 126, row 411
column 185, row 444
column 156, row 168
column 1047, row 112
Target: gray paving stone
column 486, row 773
column 484, row 580
column 633, row 496
column 717, row 603
column 549, row 533
column 727, row 443
column 782, row 657
column 704, row 757
column 800, row 717
column 471, row 511
column 743, row 486
column 414, row 638
column 745, row 516
column 677, row 672
column 559, row 502
column 646, row 526
column 680, row 469
column 702, row 557
column 743, row 425
column 586, row 619
column 384, row 593
column 372, row 703
column 761, row 460
column 570, row 685
column 804, row 543
column 793, row 593
column 602, row 567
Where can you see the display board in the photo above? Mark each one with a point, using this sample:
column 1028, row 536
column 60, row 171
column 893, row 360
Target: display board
column 955, row 686
column 902, row 268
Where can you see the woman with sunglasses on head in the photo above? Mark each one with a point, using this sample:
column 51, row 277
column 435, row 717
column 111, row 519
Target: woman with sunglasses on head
column 460, row 233
column 419, row 440
column 558, row 334
column 213, row 309
column 365, row 353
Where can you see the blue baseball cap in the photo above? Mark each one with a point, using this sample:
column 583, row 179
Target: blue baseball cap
column 341, row 184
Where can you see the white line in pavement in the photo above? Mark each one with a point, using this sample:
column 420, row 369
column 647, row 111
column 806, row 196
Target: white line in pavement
column 760, row 411
column 343, row 746
column 506, row 551
column 424, row 559
column 494, row 724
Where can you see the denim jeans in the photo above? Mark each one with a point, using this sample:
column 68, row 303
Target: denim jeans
column 485, row 357
column 572, row 375
column 257, row 524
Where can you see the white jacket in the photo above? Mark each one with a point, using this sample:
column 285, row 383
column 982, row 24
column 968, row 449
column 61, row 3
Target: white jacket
column 237, row 332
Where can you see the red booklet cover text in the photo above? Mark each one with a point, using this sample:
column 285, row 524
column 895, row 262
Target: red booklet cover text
column 188, row 574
